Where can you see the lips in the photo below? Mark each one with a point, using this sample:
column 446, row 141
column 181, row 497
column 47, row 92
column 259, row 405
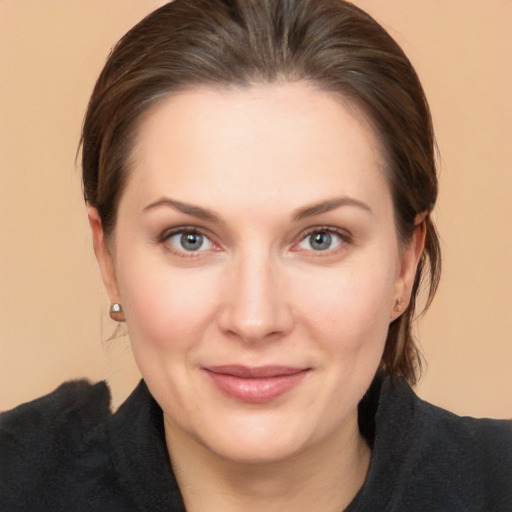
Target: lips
column 255, row 384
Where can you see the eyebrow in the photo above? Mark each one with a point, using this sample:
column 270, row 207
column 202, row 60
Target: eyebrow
column 300, row 214
column 326, row 206
column 188, row 209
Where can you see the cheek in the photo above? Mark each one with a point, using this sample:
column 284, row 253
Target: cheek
column 166, row 308
column 350, row 308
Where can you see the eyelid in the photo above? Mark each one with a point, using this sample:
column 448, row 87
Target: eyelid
column 167, row 234
column 345, row 236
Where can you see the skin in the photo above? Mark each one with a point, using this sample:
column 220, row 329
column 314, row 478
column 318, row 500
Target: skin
column 258, row 291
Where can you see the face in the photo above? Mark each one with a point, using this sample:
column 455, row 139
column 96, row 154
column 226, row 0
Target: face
column 256, row 259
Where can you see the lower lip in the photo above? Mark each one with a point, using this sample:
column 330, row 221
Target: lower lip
column 256, row 390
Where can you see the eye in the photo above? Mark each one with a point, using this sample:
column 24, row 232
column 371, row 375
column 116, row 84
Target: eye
column 189, row 240
column 321, row 240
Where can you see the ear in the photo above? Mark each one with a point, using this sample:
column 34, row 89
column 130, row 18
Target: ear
column 103, row 255
column 409, row 259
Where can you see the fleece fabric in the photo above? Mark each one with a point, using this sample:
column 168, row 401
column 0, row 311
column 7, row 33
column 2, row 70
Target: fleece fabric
column 68, row 452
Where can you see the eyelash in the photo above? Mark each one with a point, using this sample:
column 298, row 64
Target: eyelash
column 191, row 230
column 344, row 239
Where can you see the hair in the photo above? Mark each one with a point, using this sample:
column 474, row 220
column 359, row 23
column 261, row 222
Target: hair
column 331, row 44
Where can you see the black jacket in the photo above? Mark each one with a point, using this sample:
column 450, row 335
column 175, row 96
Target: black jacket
column 66, row 451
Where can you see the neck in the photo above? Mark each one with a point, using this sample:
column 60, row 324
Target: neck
column 324, row 478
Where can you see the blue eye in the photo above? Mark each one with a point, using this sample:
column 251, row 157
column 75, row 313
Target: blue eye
column 189, row 241
column 321, row 240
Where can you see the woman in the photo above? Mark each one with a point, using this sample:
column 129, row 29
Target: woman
column 260, row 178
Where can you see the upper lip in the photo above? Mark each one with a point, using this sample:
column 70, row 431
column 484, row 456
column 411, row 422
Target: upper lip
column 255, row 372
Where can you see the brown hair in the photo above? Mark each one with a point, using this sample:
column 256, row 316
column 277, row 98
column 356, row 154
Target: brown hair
column 329, row 43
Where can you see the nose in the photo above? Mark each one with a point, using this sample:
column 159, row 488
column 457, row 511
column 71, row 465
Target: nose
column 255, row 306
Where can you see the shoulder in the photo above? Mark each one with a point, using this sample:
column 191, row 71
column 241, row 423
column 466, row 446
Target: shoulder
column 457, row 438
column 449, row 460
column 44, row 441
column 78, row 395
column 489, row 440
column 425, row 458
column 75, row 406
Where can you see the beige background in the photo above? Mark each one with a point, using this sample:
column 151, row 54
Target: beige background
column 53, row 324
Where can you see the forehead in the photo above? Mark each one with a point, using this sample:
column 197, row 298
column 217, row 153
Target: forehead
column 257, row 144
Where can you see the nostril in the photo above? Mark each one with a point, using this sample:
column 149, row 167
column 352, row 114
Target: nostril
column 254, row 307
column 253, row 330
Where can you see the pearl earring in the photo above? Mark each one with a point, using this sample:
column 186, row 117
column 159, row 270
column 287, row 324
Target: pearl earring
column 116, row 312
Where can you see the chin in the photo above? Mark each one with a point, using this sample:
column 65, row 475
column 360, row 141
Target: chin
column 266, row 449
column 259, row 436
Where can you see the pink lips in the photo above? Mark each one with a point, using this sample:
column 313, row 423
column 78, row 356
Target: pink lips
column 255, row 385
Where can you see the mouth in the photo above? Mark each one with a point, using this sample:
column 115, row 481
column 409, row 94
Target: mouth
column 255, row 385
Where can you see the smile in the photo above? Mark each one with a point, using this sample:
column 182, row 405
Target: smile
column 255, row 385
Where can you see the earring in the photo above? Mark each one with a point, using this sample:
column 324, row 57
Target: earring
column 116, row 312
column 398, row 305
